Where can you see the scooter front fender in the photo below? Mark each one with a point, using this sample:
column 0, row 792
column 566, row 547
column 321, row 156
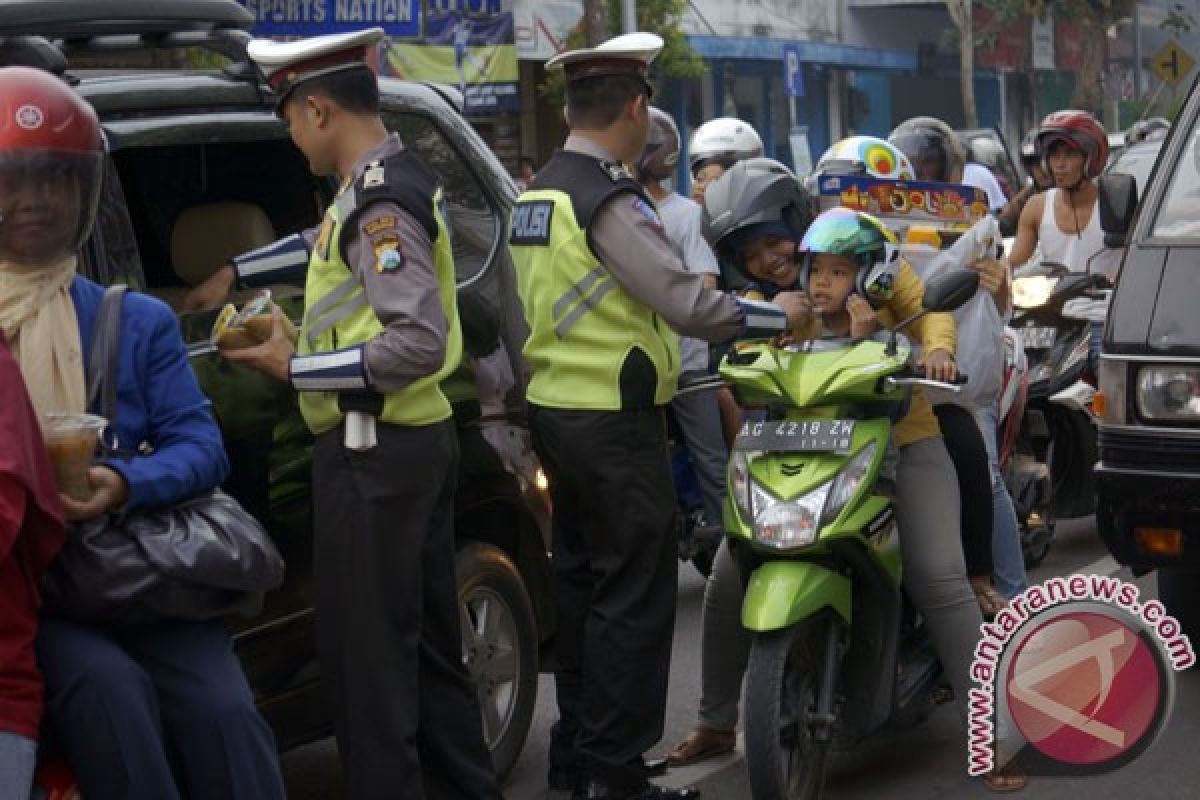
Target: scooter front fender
column 781, row 593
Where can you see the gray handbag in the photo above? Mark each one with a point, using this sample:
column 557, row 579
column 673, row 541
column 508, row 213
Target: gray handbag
column 200, row 559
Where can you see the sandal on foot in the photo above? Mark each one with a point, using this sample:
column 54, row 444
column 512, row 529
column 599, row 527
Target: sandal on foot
column 990, row 601
column 1008, row 778
column 702, row 743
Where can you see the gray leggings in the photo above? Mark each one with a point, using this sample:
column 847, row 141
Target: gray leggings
column 18, row 757
column 935, row 577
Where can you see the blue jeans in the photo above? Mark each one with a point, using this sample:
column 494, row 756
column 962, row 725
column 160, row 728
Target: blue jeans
column 1008, row 562
column 18, row 757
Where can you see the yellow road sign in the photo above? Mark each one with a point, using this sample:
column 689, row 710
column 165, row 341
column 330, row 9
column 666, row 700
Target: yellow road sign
column 1172, row 63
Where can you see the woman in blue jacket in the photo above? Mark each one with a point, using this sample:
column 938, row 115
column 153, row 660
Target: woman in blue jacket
column 153, row 711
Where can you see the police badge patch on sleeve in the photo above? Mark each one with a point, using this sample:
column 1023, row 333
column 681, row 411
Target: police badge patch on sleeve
column 388, row 254
column 643, row 208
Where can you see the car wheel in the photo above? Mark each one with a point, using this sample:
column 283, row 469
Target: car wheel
column 1179, row 591
column 499, row 647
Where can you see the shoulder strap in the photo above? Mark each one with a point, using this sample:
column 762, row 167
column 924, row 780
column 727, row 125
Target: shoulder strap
column 588, row 181
column 104, row 358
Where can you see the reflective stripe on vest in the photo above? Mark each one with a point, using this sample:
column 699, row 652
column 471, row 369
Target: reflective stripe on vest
column 583, row 324
column 339, row 316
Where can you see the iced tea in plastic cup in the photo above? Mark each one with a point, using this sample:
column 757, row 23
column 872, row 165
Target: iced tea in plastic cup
column 72, row 439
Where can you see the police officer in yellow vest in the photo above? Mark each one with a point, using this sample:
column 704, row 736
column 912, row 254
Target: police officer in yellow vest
column 380, row 332
column 604, row 293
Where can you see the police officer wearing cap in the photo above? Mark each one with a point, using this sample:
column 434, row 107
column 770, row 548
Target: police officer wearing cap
column 604, row 292
column 380, row 333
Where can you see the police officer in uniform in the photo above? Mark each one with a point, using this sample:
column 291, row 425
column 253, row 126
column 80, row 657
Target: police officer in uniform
column 604, row 292
column 380, row 333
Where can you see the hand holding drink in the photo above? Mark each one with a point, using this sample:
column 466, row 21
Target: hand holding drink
column 72, row 440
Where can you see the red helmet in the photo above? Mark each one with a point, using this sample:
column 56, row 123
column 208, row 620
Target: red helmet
column 51, row 157
column 661, row 153
column 1080, row 130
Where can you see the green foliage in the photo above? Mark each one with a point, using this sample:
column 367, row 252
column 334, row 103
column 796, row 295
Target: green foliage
column 677, row 59
column 1178, row 21
column 1093, row 17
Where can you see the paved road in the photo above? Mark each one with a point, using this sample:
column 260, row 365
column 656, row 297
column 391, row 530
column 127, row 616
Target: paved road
column 923, row 764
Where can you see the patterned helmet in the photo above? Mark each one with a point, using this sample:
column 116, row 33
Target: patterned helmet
column 860, row 238
column 1081, row 131
column 866, row 155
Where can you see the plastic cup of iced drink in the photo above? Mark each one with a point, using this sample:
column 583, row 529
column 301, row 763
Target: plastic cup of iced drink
column 72, row 440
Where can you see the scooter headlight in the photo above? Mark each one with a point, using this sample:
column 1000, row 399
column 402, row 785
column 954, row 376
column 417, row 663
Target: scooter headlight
column 739, row 481
column 847, row 483
column 788, row 524
column 1033, row 290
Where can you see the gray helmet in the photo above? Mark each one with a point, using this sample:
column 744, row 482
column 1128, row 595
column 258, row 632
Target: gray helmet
column 754, row 195
column 661, row 153
column 929, row 140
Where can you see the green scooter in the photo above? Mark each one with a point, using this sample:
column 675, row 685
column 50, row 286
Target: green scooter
column 838, row 652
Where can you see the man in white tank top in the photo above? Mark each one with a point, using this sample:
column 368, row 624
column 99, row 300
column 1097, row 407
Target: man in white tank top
column 1065, row 221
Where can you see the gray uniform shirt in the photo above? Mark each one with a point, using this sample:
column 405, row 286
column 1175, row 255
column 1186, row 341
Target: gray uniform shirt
column 412, row 343
column 634, row 248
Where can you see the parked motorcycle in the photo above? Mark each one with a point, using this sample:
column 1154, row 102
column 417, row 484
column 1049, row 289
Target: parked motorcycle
column 839, row 653
column 1027, row 479
column 1055, row 309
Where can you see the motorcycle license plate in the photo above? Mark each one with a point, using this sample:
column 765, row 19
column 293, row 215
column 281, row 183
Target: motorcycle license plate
column 797, row 436
column 1038, row 338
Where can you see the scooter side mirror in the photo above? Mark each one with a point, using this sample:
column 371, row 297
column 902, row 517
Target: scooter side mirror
column 946, row 292
column 1118, row 202
column 950, row 290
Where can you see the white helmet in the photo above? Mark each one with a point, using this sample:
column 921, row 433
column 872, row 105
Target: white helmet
column 866, row 155
column 724, row 139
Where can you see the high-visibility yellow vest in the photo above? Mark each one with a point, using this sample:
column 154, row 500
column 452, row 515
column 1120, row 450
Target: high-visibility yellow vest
column 591, row 344
column 337, row 314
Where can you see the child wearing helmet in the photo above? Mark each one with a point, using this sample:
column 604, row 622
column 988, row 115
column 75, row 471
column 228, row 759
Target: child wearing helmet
column 991, row 538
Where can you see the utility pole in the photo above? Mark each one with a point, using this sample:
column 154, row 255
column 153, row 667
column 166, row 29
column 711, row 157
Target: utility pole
column 595, row 21
column 1137, row 51
column 628, row 16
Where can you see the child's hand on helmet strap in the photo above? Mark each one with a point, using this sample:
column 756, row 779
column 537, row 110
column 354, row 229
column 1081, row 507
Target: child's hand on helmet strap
column 863, row 321
column 939, row 366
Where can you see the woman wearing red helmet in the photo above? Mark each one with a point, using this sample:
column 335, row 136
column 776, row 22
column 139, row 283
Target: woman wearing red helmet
column 1065, row 221
column 117, row 699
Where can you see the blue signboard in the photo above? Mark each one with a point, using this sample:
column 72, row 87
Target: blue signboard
column 464, row 6
column 399, row 18
column 793, row 71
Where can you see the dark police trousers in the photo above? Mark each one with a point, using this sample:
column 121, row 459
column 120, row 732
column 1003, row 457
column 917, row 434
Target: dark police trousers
column 404, row 710
column 615, row 582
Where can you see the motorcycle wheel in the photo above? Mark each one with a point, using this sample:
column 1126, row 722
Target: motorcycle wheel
column 783, row 760
column 1072, row 454
column 1179, row 591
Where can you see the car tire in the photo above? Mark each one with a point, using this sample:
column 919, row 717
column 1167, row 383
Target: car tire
column 1179, row 591
column 499, row 646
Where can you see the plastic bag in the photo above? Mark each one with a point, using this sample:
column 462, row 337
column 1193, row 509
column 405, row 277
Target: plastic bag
column 980, row 351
